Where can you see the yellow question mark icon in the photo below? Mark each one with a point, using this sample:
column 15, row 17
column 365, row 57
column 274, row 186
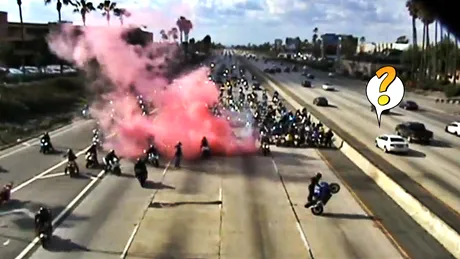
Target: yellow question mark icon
column 391, row 76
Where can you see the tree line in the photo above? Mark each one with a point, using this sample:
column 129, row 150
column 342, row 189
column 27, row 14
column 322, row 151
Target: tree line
column 42, row 55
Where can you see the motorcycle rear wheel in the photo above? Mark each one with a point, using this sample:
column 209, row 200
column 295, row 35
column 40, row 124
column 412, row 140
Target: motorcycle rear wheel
column 317, row 209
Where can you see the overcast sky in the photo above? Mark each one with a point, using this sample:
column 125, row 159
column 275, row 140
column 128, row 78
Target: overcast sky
column 243, row 21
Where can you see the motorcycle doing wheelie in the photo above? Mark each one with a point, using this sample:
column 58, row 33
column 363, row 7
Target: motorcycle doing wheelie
column 321, row 195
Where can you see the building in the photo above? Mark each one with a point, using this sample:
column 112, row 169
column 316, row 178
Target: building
column 381, row 46
column 338, row 44
column 35, row 37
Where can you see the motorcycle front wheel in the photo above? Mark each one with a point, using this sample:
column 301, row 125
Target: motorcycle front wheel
column 335, row 188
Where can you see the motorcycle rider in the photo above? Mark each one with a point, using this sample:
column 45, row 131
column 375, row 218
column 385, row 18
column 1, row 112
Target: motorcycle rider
column 71, row 159
column 328, row 137
column 140, row 169
column 264, row 140
column 314, row 181
column 204, row 142
column 92, row 150
column 5, row 193
column 108, row 158
column 43, row 220
column 152, row 150
column 178, row 154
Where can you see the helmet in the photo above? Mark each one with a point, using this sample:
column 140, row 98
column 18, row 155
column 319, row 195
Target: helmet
column 41, row 210
column 318, row 175
column 69, row 151
column 139, row 160
column 111, row 151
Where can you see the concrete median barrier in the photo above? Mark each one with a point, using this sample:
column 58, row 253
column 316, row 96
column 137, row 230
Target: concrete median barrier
column 432, row 223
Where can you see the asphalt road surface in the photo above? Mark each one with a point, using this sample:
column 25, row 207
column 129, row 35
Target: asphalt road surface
column 226, row 207
column 436, row 166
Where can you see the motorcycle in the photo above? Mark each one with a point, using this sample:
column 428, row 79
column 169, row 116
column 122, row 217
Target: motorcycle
column 142, row 178
column 45, row 147
column 297, row 142
column 91, row 160
column 205, row 152
column 153, row 159
column 322, row 194
column 44, row 234
column 5, row 194
column 265, row 149
column 114, row 167
column 71, row 169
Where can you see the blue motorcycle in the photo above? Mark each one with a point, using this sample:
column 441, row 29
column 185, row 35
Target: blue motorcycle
column 322, row 194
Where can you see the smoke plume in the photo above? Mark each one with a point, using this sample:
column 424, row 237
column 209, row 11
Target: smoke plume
column 122, row 70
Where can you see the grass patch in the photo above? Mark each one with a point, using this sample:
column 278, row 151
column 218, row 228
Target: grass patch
column 29, row 108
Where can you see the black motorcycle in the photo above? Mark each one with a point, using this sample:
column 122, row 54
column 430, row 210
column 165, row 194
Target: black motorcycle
column 44, row 233
column 153, row 159
column 45, row 147
column 71, row 169
column 265, row 149
column 91, row 160
column 142, row 178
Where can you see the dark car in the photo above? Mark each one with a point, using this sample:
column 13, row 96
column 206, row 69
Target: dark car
column 295, row 69
column 320, row 101
column 310, row 76
column 255, row 85
column 414, row 131
column 409, row 105
column 267, row 70
column 287, row 70
column 384, row 112
column 306, row 83
column 272, row 71
column 278, row 70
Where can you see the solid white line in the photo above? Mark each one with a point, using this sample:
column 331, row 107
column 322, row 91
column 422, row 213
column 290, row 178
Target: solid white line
column 37, row 177
column 67, row 209
column 220, row 197
column 52, row 175
column 136, row 228
column 55, row 133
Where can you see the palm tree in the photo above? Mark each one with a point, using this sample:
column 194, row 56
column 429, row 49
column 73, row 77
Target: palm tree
column 315, row 35
column 455, row 61
column 434, row 57
column 84, row 8
column 19, row 2
column 174, row 33
column 427, row 18
column 59, row 4
column 412, row 8
column 121, row 13
column 107, row 7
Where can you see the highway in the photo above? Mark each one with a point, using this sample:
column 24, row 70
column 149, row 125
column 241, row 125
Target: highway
column 436, row 167
column 226, row 207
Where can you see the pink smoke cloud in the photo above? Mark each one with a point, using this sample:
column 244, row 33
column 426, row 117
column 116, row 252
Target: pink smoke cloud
column 181, row 106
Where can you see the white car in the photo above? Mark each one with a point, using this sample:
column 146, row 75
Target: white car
column 392, row 143
column 453, row 128
column 330, row 74
column 328, row 87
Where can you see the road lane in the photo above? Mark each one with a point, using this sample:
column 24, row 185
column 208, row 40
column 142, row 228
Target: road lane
column 257, row 219
column 435, row 167
column 345, row 225
column 54, row 193
column 27, row 162
column 183, row 220
column 111, row 212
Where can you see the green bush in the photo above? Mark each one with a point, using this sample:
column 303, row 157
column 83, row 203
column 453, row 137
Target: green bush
column 451, row 90
column 23, row 101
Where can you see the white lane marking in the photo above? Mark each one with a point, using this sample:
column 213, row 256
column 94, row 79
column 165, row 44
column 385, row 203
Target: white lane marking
column 220, row 197
column 136, row 228
column 67, row 209
column 55, row 133
column 298, row 224
column 52, row 175
column 24, row 211
column 33, row 179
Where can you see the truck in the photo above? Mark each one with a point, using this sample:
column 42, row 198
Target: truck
column 414, row 131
